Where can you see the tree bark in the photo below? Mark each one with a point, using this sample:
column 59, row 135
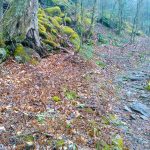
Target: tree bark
column 20, row 21
column 1, row 16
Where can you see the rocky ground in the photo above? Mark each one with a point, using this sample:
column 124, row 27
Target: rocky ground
column 130, row 72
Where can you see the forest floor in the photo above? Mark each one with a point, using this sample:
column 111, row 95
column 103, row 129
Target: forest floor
column 68, row 101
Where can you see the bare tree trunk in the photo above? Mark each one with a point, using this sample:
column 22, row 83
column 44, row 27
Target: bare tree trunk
column 120, row 14
column 1, row 16
column 82, row 16
column 93, row 18
column 1, row 9
column 21, row 21
column 135, row 22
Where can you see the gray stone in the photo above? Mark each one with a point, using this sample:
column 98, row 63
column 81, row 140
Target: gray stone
column 2, row 147
column 3, row 54
column 133, row 117
column 143, row 117
column 141, row 108
column 2, row 129
column 19, row 59
column 127, row 109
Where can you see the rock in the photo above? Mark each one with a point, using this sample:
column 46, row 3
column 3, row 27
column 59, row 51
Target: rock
column 141, row 108
column 2, row 147
column 133, row 117
column 32, row 53
column 3, row 54
column 19, row 59
column 143, row 117
column 129, row 93
column 145, row 95
column 136, row 78
column 127, row 109
column 2, row 129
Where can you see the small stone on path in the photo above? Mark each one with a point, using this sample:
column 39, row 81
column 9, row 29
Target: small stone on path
column 141, row 108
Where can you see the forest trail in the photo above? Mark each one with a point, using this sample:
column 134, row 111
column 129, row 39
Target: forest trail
column 129, row 69
column 65, row 100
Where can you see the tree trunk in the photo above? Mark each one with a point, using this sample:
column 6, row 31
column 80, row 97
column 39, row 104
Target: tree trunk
column 1, row 16
column 92, row 19
column 1, row 9
column 20, row 21
column 136, row 21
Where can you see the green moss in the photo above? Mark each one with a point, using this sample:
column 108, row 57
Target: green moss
column 42, row 34
column 41, row 13
column 43, row 20
column 56, row 99
column 21, row 53
column 68, row 31
column 54, row 22
column 87, row 21
column 2, row 43
column 42, row 28
column 3, row 54
column 50, row 25
column 68, row 20
column 58, row 19
column 74, row 37
column 54, row 31
column 148, row 86
column 70, row 95
column 51, row 43
column 60, row 143
column 53, row 11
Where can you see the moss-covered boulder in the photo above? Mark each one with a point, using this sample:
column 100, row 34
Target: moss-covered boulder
column 20, row 54
column 53, row 29
column 68, row 20
column 2, row 43
column 73, row 36
column 53, row 11
column 3, row 55
column 25, row 54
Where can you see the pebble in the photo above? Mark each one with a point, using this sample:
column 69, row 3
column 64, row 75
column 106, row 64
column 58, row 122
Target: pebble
column 2, row 129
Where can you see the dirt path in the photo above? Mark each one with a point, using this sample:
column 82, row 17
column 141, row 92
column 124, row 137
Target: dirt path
column 56, row 103
column 67, row 101
column 129, row 68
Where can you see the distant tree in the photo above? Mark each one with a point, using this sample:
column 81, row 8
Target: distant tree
column 1, row 16
column 120, row 15
column 92, row 18
column 136, row 21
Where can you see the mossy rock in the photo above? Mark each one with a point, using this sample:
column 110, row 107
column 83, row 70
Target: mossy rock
column 74, row 37
column 87, row 21
column 148, row 86
column 42, row 31
column 51, row 26
column 41, row 13
column 58, row 19
column 20, row 54
column 60, row 143
column 56, row 99
column 51, row 43
column 54, row 22
column 42, row 27
column 67, row 20
column 53, row 11
column 2, row 43
column 3, row 54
